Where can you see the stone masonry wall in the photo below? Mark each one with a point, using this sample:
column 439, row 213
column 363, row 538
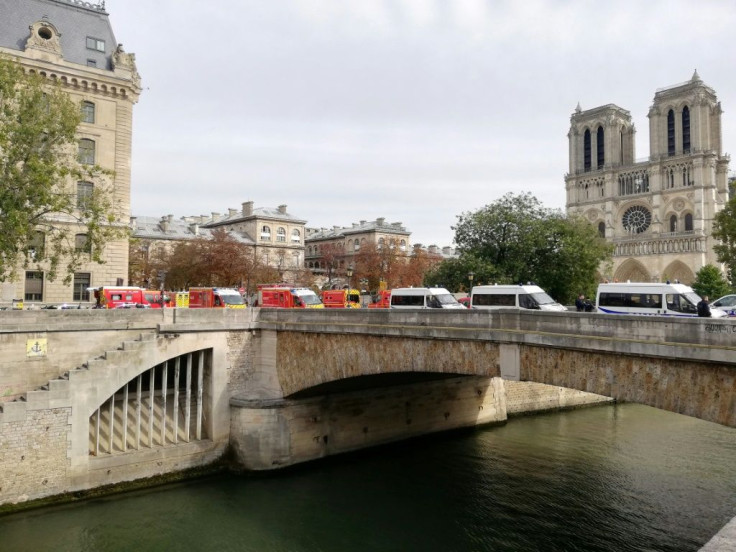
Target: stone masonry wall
column 526, row 397
column 239, row 361
column 33, row 455
column 691, row 388
column 308, row 359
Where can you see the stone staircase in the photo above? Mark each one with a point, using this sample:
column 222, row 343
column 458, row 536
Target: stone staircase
column 56, row 393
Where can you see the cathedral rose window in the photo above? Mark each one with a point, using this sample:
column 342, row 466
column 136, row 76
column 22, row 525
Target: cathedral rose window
column 636, row 219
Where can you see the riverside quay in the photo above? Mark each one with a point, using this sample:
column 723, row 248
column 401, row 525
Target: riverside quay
column 97, row 398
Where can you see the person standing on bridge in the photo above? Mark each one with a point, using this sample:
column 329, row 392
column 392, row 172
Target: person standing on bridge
column 704, row 308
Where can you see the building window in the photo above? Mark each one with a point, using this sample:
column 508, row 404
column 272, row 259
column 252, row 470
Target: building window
column 688, row 223
column 586, row 150
column 686, row 129
column 281, row 234
column 599, row 148
column 265, row 233
column 88, row 112
column 82, row 243
column 34, row 286
column 633, row 183
column 636, row 219
column 84, row 194
column 296, row 260
column 296, row 236
column 35, row 246
column 86, row 151
column 81, row 286
column 602, row 229
column 381, row 243
column 95, row 44
column 402, row 245
column 673, row 223
column 671, row 132
column 356, row 245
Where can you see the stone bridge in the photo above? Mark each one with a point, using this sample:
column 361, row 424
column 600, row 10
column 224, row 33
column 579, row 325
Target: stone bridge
column 95, row 398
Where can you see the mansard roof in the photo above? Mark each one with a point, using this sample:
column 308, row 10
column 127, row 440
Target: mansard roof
column 234, row 216
column 75, row 20
column 169, row 228
column 362, row 227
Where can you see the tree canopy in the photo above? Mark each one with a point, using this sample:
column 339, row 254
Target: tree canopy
column 515, row 239
column 709, row 281
column 724, row 230
column 42, row 213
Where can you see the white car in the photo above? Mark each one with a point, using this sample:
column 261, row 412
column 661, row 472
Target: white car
column 727, row 304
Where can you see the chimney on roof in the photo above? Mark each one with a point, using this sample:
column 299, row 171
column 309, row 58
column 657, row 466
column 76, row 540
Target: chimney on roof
column 380, row 221
column 282, row 209
column 355, row 225
column 396, row 225
column 170, row 217
column 215, row 216
column 433, row 249
column 133, row 223
column 447, row 250
column 231, row 212
column 362, row 222
column 164, row 224
column 194, row 228
column 247, row 208
column 336, row 228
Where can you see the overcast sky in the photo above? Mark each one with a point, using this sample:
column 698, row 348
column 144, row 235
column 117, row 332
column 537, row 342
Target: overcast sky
column 412, row 110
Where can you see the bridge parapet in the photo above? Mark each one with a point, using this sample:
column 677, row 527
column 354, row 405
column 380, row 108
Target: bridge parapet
column 703, row 340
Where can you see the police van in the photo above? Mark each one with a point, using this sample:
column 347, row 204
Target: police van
column 423, row 298
column 510, row 296
column 650, row 299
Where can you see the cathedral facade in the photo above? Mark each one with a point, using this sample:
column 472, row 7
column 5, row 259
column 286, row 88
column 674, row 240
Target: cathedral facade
column 657, row 212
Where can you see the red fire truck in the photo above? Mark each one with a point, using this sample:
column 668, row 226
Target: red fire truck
column 288, row 298
column 207, row 298
column 116, row 297
column 383, row 300
column 341, row 299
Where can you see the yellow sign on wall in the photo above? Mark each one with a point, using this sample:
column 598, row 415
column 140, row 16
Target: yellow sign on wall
column 36, row 347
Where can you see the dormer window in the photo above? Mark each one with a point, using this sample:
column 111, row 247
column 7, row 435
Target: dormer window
column 95, row 44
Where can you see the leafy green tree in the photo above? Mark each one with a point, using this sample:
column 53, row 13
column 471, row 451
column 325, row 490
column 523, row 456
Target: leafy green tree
column 709, row 281
column 43, row 213
column 454, row 274
column 724, row 230
column 524, row 242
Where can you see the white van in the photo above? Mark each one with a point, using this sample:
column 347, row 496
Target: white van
column 649, row 298
column 423, row 298
column 520, row 297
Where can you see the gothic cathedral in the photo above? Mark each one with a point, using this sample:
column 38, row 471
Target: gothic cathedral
column 657, row 212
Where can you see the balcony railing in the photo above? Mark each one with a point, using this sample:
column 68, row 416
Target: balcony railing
column 669, row 242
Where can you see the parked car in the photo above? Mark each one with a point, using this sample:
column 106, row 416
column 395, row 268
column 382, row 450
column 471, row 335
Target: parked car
column 727, row 303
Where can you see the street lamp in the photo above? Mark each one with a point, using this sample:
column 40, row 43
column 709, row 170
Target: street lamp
column 471, row 275
column 349, row 272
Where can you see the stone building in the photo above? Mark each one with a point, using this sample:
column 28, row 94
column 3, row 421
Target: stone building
column 348, row 240
column 657, row 212
column 276, row 236
column 71, row 42
column 153, row 236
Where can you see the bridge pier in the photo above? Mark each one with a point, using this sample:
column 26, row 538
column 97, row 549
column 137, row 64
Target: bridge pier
column 268, row 434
